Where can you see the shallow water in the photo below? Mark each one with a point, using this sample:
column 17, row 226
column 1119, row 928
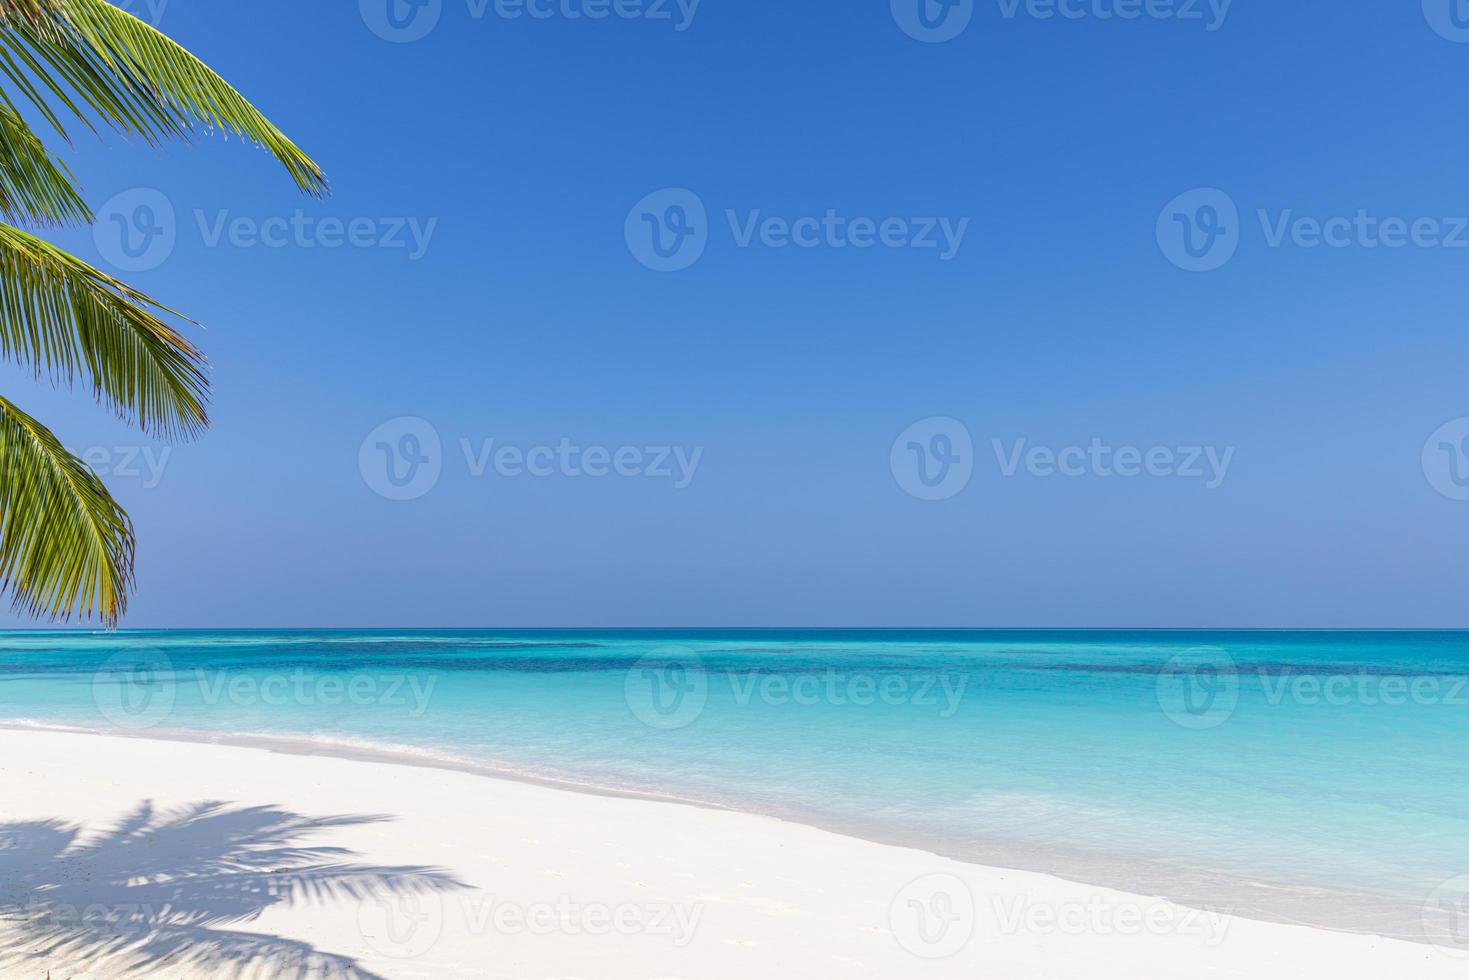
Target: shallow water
column 1314, row 777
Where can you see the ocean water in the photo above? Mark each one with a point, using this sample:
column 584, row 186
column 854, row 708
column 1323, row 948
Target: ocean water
column 1317, row 777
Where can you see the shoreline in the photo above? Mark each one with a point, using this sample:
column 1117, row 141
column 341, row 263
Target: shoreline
column 351, row 751
column 318, row 866
column 1364, row 914
column 149, row 857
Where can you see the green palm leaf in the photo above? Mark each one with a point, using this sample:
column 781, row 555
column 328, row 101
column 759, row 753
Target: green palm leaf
column 131, row 75
column 65, row 545
column 35, row 13
column 35, row 188
column 73, row 321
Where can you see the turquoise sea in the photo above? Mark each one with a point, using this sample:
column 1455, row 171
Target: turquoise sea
column 1320, row 777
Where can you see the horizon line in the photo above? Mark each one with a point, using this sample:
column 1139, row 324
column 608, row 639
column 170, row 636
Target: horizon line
column 94, row 631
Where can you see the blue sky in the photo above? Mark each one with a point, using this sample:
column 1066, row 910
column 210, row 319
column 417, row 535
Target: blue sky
column 531, row 152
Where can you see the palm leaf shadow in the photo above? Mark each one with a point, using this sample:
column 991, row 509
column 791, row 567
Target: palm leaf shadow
column 162, row 888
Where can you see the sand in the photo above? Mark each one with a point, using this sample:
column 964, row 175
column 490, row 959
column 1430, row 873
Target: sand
column 168, row 859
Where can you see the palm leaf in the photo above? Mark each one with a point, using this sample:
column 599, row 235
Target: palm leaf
column 65, row 545
column 73, row 321
column 36, row 13
column 35, row 188
column 131, row 75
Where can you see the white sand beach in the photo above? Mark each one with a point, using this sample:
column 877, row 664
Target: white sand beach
column 165, row 859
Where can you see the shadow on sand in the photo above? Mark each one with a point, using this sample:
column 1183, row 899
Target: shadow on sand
column 162, row 889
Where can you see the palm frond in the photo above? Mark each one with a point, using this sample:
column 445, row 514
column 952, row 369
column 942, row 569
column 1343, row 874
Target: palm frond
column 73, row 321
column 66, row 548
column 36, row 13
column 132, row 76
column 65, row 545
column 35, row 188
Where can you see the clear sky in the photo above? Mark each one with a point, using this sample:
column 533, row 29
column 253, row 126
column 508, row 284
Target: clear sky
column 1058, row 308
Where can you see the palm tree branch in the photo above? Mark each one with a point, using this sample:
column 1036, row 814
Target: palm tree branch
column 35, row 188
column 133, row 76
column 65, row 544
column 71, row 320
column 33, row 12
column 39, row 51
